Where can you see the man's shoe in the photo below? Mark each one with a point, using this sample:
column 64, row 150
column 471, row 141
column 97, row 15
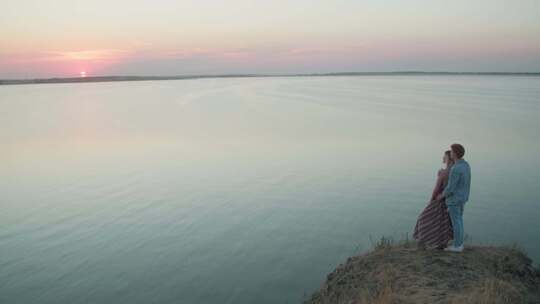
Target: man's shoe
column 454, row 249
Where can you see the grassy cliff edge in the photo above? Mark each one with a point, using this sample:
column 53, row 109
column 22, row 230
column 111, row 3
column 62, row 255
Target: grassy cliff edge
column 396, row 272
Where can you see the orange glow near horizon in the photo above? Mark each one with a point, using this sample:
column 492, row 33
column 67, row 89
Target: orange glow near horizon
column 375, row 54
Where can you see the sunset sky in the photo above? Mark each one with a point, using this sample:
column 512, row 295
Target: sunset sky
column 116, row 37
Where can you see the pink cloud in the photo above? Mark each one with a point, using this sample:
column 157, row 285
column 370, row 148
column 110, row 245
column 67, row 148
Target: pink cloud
column 315, row 56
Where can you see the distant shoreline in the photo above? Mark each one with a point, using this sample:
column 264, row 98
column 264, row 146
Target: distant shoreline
column 149, row 78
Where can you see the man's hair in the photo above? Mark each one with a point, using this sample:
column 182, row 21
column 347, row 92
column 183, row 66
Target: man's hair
column 458, row 150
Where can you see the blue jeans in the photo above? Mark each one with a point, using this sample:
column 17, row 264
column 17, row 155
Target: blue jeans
column 456, row 216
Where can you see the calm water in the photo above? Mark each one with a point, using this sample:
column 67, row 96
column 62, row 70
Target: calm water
column 246, row 190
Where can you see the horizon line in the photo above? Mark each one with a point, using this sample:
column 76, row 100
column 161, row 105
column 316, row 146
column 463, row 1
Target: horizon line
column 112, row 78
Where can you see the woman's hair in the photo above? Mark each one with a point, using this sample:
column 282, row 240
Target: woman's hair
column 450, row 160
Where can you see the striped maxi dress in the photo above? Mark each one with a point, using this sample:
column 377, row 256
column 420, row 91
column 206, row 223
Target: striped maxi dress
column 434, row 227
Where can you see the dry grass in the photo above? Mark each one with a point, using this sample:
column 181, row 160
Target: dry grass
column 386, row 293
column 490, row 291
column 395, row 272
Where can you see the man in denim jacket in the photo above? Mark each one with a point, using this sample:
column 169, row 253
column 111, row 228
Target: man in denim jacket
column 456, row 194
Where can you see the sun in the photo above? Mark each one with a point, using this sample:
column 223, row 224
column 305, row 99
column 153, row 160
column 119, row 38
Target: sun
column 82, row 73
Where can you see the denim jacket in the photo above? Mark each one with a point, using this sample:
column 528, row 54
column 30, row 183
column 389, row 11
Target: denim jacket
column 459, row 183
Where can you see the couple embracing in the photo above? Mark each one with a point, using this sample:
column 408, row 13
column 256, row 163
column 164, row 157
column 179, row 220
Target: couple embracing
column 442, row 219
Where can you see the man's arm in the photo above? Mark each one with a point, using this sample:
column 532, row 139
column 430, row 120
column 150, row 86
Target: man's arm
column 452, row 182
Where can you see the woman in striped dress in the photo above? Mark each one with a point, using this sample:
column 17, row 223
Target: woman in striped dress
column 434, row 227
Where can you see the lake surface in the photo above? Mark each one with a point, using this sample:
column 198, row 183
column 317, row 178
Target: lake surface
column 246, row 190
